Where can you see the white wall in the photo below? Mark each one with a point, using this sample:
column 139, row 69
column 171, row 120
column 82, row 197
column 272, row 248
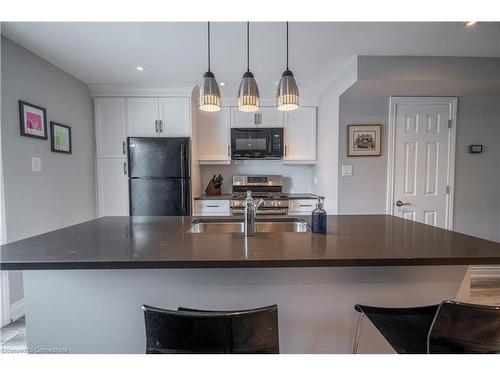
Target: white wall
column 63, row 193
column 296, row 178
column 326, row 170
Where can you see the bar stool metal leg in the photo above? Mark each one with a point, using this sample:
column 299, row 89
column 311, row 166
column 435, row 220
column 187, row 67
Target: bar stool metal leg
column 358, row 334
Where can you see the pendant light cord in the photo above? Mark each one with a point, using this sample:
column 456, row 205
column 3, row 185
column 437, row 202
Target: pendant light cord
column 287, row 45
column 208, row 46
column 248, row 46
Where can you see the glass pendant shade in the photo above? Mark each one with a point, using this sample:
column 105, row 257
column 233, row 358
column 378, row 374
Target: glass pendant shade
column 287, row 97
column 248, row 94
column 210, row 100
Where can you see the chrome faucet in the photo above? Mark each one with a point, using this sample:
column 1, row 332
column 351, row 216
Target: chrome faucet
column 251, row 208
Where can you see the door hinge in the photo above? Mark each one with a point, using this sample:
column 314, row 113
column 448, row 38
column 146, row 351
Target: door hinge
column 450, row 123
column 447, row 189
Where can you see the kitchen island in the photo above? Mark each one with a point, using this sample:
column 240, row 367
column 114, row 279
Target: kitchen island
column 84, row 284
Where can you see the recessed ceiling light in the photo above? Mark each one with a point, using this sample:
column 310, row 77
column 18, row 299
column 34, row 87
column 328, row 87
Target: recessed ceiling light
column 139, row 68
column 222, row 83
column 470, row 23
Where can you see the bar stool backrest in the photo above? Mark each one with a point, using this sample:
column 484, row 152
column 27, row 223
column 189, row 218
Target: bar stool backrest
column 465, row 328
column 203, row 332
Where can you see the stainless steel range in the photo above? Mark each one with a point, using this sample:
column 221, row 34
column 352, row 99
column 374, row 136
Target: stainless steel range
column 267, row 187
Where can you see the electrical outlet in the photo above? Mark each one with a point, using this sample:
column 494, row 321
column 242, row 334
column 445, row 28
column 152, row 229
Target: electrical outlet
column 36, row 164
column 347, row 170
column 315, row 180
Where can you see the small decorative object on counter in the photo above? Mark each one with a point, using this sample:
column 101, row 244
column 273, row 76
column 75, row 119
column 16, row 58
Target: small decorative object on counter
column 318, row 219
column 213, row 187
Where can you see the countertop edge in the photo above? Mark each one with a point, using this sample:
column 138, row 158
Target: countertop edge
column 206, row 264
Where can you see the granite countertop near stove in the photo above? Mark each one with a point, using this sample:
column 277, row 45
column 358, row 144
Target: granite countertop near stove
column 156, row 242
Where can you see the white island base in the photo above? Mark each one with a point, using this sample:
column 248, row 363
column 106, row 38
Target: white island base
column 99, row 311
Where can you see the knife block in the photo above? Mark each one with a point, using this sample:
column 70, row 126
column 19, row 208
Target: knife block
column 212, row 190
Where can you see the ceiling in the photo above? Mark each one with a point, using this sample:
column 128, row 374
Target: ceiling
column 174, row 53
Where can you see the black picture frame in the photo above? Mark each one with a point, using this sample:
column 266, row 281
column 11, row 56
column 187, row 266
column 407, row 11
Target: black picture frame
column 22, row 120
column 52, row 139
column 376, row 128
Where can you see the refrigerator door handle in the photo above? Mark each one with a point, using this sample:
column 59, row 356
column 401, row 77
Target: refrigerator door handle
column 183, row 160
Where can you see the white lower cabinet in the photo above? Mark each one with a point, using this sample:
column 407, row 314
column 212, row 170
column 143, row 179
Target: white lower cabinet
column 112, row 187
column 301, row 206
column 211, row 207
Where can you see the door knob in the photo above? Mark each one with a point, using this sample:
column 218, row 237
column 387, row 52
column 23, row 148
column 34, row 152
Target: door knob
column 399, row 204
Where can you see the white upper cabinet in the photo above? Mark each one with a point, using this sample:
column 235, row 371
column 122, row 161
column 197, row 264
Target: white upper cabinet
column 112, row 187
column 300, row 135
column 268, row 117
column 214, row 135
column 159, row 117
column 142, row 117
column 175, row 117
column 111, row 129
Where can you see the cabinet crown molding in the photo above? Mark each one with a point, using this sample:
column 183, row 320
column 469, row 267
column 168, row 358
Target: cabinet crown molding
column 103, row 90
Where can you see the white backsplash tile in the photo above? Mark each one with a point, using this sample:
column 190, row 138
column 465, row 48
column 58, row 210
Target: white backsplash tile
column 296, row 178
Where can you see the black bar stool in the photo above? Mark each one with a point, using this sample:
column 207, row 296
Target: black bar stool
column 203, row 332
column 450, row 327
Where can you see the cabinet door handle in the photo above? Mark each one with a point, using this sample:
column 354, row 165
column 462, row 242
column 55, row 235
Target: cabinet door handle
column 156, row 126
column 124, row 149
column 286, row 149
column 228, row 150
column 212, row 205
column 125, row 168
column 305, row 205
column 161, row 126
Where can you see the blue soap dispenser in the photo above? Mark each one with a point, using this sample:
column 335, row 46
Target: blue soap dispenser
column 318, row 218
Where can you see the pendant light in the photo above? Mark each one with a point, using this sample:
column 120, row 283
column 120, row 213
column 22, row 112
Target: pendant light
column 210, row 100
column 287, row 97
column 248, row 93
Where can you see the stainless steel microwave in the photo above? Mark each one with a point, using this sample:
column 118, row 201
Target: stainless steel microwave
column 256, row 143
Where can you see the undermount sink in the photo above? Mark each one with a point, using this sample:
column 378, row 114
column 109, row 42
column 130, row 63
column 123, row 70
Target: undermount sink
column 236, row 226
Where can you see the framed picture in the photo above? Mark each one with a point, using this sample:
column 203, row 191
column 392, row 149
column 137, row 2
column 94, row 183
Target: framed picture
column 60, row 138
column 364, row 140
column 33, row 120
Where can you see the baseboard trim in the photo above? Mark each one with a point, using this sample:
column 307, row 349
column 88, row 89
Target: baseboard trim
column 16, row 310
column 485, row 272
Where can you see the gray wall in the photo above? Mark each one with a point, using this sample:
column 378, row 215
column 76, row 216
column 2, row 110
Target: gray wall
column 63, row 193
column 477, row 176
column 365, row 191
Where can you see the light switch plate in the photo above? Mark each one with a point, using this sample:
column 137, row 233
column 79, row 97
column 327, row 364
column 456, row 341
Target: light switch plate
column 315, row 180
column 347, row 170
column 36, row 164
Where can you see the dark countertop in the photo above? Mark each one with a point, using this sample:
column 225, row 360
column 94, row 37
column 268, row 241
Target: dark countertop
column 162, row 242
column 212, row 197
column 228, row 196
column 302, row 196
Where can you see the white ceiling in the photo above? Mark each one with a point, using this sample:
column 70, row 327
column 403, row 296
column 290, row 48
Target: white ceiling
column 175, row 53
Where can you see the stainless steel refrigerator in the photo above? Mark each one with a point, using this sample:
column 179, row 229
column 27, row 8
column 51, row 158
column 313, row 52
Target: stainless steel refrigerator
column 159, row 176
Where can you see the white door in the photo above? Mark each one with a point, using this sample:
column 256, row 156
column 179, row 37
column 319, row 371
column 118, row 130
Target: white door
column 270, row 117
column 112, row 187
column 300, row 134
column 175, row 117
column 243, row 119
column 111, row 128
column 214, row 135
column 142, row 117
column 423, row 159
